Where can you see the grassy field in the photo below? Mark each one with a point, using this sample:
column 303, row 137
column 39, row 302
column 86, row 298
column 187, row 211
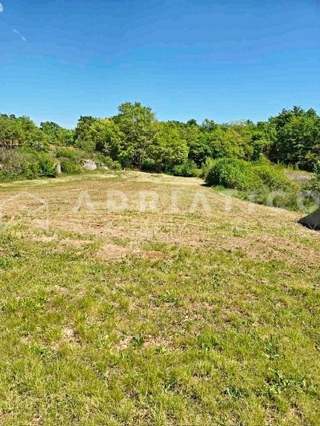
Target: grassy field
column 184, row 314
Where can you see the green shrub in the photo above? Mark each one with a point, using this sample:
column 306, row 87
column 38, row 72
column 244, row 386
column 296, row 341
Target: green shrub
column 69, row 167
column 86, row 145
column 30, row 166
column 262, row 184
column 69, row 153
column 316, row 170
column 104, row 160
column 206, row 167
column 311, row 192
column 187, row 169
column 274, row 179
column 284, row 199
column 313, row 185
column 69, row 161
column 11, row 164
column 234, row 174
column 113, row 165
column 47, row 166
column 149, row 166
column 25, row 164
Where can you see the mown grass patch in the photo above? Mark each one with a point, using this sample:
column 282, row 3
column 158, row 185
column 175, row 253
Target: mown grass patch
column 213, row 332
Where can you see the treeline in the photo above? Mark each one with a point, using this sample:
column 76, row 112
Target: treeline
column 134, row 138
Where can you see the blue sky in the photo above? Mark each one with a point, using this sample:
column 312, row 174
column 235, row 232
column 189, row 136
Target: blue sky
column 223, row 60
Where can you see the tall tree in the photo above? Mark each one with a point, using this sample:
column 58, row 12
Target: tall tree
column 82, row 135
column 57, row 135
column 107, row 137
column 137, row 123
column 167, row 150
column 297, row 137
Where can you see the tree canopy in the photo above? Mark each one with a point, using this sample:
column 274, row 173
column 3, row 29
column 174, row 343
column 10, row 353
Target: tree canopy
column 137, row 139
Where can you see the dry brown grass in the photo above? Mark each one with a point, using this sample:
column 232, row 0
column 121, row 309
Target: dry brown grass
column 260, row 232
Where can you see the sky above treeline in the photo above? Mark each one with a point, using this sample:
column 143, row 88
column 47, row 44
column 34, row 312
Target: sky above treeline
column 224, row 60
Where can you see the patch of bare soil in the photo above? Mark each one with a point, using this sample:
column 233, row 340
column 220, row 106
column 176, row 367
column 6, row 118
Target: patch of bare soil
column 70, row 336
column 152, row 254
column 114, row 251
column 44, row 238
column 74, row 243
column 61, row 290
column 270, row 248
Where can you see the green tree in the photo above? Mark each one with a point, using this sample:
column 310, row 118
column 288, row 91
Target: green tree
column 57, row 135
column 227, row 143
column 10, row 131
column 82, row 136
column 201, row 149
column 32, row 137
column 22, row 131
column 138, row 126
column 167, row 150
column 107, row 137
column 297, row 137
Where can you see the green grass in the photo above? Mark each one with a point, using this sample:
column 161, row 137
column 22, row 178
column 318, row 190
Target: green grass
column 206, row 333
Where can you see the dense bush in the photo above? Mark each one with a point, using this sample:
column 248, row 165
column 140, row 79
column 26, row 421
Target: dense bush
column 187, row 169
column 30, row 166
column 262, row 184
column 316, row 170
column 69, row 160
column 47, row 166
column 149, row 166
column 25, row 165
column 276, row 198
column 69, row 167
column 234, row 174
column 274, row 178
column 69, row 153
column 113, row 165
column 206, row 167
column 11, row 164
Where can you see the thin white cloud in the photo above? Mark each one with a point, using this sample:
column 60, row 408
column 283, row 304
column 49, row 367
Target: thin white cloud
column 13, row 29
column 19, row 34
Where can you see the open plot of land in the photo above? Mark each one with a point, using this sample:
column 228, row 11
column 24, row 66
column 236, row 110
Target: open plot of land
column 136, row 299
